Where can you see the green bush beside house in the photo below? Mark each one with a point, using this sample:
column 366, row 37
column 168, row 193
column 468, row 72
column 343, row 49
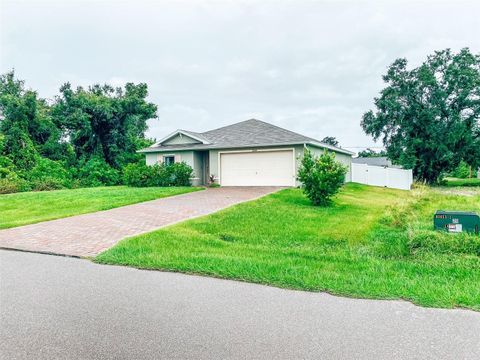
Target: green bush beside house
column 321, row 177
column 141, row 175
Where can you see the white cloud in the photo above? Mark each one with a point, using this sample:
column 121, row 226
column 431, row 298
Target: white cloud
column 313, row 67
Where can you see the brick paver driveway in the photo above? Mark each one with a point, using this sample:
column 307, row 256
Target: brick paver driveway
column 90, row 234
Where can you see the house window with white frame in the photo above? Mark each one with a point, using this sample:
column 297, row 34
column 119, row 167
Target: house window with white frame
column 169, row 159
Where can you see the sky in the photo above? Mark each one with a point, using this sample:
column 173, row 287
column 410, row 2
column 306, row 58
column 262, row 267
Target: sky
column 313, row 67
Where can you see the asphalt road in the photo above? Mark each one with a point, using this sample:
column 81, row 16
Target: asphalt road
column 65, row 308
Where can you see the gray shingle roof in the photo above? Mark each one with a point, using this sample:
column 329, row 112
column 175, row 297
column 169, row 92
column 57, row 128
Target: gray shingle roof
column 375, row 161
column 247, row 133
column 195, row 134
column 252, row 132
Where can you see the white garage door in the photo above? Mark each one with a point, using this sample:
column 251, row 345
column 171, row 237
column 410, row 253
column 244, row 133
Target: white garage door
column 260, row 168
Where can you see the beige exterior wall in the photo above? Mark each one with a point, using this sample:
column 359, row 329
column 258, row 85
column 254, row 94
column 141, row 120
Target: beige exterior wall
column 157, row 158
column 343, row 158
column 151, row 158
column 195, row 160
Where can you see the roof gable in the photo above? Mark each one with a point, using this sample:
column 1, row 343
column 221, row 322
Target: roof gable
column 182, row 137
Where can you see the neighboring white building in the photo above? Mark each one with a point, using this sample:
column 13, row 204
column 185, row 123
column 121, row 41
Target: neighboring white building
column 375, row 161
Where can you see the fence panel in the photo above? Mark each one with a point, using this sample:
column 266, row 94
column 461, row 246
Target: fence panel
column 382, row 176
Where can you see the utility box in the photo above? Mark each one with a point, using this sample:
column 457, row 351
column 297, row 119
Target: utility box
column 456, row 221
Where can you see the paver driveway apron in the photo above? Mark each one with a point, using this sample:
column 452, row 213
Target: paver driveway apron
column 90, row 234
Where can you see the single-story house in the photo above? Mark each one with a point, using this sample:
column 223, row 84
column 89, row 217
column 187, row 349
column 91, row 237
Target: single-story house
column 376, row 161
column 248, row 153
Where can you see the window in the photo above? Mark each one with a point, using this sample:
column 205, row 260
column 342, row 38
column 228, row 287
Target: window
column 169, row 160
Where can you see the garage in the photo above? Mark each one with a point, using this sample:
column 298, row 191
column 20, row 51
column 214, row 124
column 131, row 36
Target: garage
column 257, row 168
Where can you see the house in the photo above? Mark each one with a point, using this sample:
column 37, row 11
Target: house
column 376, row 161
column 248, row 153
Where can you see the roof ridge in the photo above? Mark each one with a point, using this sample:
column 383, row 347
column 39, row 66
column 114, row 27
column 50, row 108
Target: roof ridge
column 281, row 128
column 263, row 122
column 225, row 126
column 190, row 132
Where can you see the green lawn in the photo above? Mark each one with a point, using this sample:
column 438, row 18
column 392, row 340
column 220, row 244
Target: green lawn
column 32, row 207
column 373, row 243
column 452, row 182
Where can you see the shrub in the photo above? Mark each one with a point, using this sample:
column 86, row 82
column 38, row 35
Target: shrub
column 211, row 182
column 49, row 175
column 45, row 175
column 321, row 177
column 96, row 172
column 462, row 182
column 180, row 174
column 8, row 186
column 7, row 167
column 47, row 183
column 141, row 175
column 462, row 171
column 13, row 183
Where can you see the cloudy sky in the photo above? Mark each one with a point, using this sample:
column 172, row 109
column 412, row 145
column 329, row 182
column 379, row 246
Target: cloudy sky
column 309, row 66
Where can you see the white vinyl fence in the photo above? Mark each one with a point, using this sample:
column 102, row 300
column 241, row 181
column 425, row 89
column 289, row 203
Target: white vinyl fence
column 382, row 176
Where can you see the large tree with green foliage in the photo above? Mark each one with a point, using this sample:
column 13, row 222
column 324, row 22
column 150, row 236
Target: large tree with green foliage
column 104, row 122
column 371, row 153
column 26, row 125
column 330, row 140
column 428, row 117
column 83, row 138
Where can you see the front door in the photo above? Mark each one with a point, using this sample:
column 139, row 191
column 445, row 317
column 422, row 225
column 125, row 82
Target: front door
column 206, row 167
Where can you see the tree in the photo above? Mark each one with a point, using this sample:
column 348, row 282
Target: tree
column 26, row 125
column 7, row 167
column 321, row 177
column 84, row 137
column 372, row 153
column 330, row 140
column 463, row 171
column 104, row 122
column 428, row 117
column 17, row 110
